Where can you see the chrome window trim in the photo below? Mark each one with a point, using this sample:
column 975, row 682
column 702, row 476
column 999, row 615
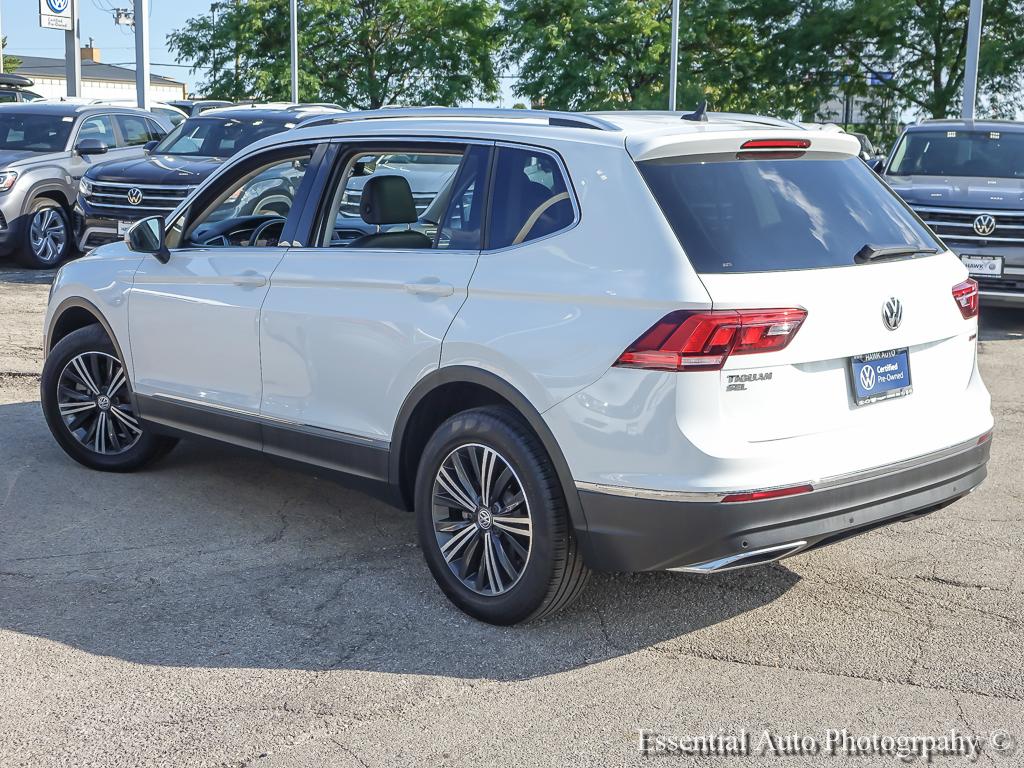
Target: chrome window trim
column 835, row 481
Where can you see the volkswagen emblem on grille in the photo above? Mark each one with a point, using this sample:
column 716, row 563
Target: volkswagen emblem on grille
column 135, row 196
column 985, row 224
column 892, row 313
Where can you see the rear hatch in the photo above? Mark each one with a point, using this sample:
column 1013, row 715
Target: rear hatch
column 885, row 355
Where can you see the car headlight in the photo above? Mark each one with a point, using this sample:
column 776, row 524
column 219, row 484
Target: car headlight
column 7, row 179
column 84, row 187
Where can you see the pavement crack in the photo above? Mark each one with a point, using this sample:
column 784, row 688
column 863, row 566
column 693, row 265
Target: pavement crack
column 349, row 751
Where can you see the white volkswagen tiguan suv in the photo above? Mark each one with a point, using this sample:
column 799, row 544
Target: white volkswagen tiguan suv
column 616, row 342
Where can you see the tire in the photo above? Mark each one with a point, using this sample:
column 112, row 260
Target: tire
column 47, row 237
column 88, row 404
column 529, row 576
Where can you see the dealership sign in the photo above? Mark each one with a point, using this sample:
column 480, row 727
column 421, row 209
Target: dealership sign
column 55, row 14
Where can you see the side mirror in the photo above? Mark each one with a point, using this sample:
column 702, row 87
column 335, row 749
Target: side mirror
column 91, row 147
column 147, row 236
column 149, row 146
column 877, row 164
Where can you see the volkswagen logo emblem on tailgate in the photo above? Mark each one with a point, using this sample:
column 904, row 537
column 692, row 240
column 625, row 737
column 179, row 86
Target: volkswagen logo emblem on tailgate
column 985, row 224
column 892, row 313
column 134, row 195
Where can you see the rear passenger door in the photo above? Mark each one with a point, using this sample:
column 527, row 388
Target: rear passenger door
column 355, row 316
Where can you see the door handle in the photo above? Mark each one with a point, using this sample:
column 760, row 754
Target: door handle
column 249, row 279
column 424, row 288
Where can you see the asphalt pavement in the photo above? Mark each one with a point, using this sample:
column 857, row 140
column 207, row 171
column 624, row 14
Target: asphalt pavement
column 221, row 610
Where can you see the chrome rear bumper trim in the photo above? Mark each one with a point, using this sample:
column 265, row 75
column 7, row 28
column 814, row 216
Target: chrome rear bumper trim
column 835, row 481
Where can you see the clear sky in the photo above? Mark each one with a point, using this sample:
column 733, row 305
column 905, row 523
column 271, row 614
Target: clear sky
column 20, row 22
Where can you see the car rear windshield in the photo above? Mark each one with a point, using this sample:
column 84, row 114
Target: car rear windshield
column 34, row 132
column 954, row 152
column 768, row 213
column 216, row 137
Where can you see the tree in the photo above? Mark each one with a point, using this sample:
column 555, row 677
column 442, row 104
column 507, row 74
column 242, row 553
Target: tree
column 361, row 54
column 923, row 43
column 11, row 63
column 614, row 54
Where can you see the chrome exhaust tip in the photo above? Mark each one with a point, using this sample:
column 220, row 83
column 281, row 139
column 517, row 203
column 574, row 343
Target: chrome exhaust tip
column 744, row 559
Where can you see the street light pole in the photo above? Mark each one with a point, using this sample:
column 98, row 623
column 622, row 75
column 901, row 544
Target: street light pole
column 971, row 64
column 673, row 74
column 73, row 53
column 1, row 37
column 295, row 51
column 142, row 53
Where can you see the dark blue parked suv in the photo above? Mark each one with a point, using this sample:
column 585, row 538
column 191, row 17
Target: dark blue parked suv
column 113, row 196
column 965, row 178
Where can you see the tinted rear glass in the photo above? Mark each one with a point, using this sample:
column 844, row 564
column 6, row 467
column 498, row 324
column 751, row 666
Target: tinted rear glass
column 952, row 152
column 217, row 137
column 764, row 214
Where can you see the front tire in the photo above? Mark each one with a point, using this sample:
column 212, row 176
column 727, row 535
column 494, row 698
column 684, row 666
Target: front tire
column 88, row 404
column 47, row 237
column 492, row 519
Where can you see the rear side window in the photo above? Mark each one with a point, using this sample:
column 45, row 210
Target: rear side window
column 764, row 214
column 531, row 198
column 138, row 130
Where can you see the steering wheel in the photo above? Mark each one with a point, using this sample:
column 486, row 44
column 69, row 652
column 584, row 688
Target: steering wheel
column 276, row 221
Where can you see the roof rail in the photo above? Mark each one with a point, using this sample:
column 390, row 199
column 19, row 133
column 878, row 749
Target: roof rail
column 733, row 117
column 562, row 119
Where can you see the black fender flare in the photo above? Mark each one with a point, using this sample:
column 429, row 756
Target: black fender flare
column 469, row 374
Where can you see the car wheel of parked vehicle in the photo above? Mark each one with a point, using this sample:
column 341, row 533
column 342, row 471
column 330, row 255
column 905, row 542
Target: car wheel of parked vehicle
column 87, row 401
column 47, row 237
column 492, row 519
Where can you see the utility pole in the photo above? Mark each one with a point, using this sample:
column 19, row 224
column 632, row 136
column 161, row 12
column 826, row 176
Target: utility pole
column 971, row 64
column 73, row 53
column 1, row 38
column 673, row 74
column 142, row 53
column 295, row 51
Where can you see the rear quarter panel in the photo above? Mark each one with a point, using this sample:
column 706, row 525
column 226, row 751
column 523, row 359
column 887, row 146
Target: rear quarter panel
column 550, row 316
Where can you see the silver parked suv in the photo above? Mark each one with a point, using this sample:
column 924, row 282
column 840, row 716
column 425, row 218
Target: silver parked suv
column 45, row 148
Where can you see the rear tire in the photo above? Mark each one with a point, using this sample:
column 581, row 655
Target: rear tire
column 507, row 554
column 88, row 404
column 47, row 238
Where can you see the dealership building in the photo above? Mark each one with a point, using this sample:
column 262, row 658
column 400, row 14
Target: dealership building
column 99, row 80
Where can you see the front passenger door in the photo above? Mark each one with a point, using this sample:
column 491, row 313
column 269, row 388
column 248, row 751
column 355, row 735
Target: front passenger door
column 194, row 321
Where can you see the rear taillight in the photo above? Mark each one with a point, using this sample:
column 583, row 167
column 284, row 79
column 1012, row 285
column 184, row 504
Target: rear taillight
column 965, row 295
column 703, row 341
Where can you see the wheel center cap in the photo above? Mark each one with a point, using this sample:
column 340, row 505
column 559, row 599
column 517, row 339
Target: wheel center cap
column 483, row 518
column 103, row 402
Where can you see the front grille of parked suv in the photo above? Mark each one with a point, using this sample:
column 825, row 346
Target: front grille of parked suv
column 157, row 199
column 958, row 224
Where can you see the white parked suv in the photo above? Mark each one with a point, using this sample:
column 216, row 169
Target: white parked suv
column 617, row 342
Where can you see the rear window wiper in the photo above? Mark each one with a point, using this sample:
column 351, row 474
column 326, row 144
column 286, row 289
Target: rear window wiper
column 877, row 252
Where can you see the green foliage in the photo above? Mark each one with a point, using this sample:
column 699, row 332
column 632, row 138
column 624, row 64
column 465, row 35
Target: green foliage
column 11, row 63
column 783, row 57
column 361, row 54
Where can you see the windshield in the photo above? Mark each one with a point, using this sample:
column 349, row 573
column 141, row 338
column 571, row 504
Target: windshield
column 769, row 213
column 34, row 132
column 996, row 154
column 216, row 137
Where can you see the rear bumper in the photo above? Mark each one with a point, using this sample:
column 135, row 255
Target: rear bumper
column 638, row 530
